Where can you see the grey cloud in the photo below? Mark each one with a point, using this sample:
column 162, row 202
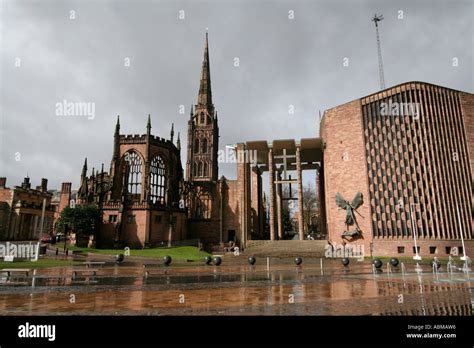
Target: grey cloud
column 282, row 62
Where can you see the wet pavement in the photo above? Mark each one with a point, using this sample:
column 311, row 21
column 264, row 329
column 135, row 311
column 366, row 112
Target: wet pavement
column 238, row 289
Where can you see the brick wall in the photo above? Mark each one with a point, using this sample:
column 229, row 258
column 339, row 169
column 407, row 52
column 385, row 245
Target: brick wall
column 345, row 169
column 134, row 232
column 467, row 106
column 426, row 248
column 231, row 208
column 209, row 230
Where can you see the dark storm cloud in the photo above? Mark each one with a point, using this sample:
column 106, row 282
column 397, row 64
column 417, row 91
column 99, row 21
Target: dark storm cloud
column 282, row 62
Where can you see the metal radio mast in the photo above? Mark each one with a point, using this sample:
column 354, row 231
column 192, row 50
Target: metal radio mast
column 377, row 19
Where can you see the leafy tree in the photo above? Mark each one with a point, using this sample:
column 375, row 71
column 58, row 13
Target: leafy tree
column 82, row 220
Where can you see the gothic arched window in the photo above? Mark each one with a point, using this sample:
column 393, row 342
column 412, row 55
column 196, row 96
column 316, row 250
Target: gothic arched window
column 198, row 210
column 206, row 169
column 204, row 146
column 133, row 172
column 195, row 169
column 202, row 118
column 203, row 207
column 196, row 145
column 157, row 180
column 200, row 169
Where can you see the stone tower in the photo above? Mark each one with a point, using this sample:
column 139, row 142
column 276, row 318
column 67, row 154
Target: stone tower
column 203, row 131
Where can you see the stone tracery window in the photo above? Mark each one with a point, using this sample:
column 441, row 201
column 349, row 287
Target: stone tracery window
column 196, row 145
column 133, row 170
column 200, row 169
column 157, row 180
column 206, row 169
column 204, row 146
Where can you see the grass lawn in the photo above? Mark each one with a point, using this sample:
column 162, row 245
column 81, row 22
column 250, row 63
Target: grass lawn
column 41, row 263
column 176, row 253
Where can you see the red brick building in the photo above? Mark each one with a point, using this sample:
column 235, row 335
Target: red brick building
column 25, row 213
column 407, row 150
column 414, row 170
column 144, row 198
column 140, row 196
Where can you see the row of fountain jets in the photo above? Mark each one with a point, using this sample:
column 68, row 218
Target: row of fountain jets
column 451, row 267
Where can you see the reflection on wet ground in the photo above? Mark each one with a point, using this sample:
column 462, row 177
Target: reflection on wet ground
column 237, row 289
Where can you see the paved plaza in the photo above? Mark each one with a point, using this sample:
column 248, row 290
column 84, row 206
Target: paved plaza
column 236, row 288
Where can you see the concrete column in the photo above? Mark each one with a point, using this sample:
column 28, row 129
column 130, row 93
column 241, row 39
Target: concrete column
column 261, row 215
column 256, row 188
column 31, row 226
column 247, row 205
column 271, row 179
column 36, row 230
column 300, row 193
column 243, row 178
column 20, row 228
column 12, row 226
column 279, row 207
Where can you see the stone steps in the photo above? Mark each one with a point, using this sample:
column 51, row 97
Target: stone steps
column 286, row 248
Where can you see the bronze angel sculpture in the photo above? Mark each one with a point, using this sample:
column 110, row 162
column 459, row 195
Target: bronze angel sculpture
column 350, row 208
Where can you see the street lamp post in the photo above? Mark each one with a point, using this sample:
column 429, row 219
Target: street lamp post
column 463, row 257
column 414, row 231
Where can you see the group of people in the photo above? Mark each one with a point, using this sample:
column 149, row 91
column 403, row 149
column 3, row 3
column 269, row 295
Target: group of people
column 230, row 247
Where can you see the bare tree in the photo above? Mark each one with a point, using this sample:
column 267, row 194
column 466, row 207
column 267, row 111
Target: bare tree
column 287, row 209
column 309, row 205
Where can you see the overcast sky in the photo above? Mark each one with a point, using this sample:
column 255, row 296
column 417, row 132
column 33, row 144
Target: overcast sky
column 47, row 57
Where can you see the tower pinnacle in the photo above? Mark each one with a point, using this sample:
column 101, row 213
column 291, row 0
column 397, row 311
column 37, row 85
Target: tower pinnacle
column 84, row 169
column 148, row 124
column 117, row 126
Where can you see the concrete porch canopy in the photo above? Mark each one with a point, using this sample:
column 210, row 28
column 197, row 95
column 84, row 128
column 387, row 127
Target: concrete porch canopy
column 278, row 158
column 311, row 152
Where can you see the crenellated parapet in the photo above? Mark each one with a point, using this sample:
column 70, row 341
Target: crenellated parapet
column 132, row 139
column 153, row 141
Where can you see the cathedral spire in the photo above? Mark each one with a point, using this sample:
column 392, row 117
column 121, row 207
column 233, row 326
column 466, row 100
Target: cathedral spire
column 203, row 131
column 172, row 132
column 205, row 94
column 178, row 143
